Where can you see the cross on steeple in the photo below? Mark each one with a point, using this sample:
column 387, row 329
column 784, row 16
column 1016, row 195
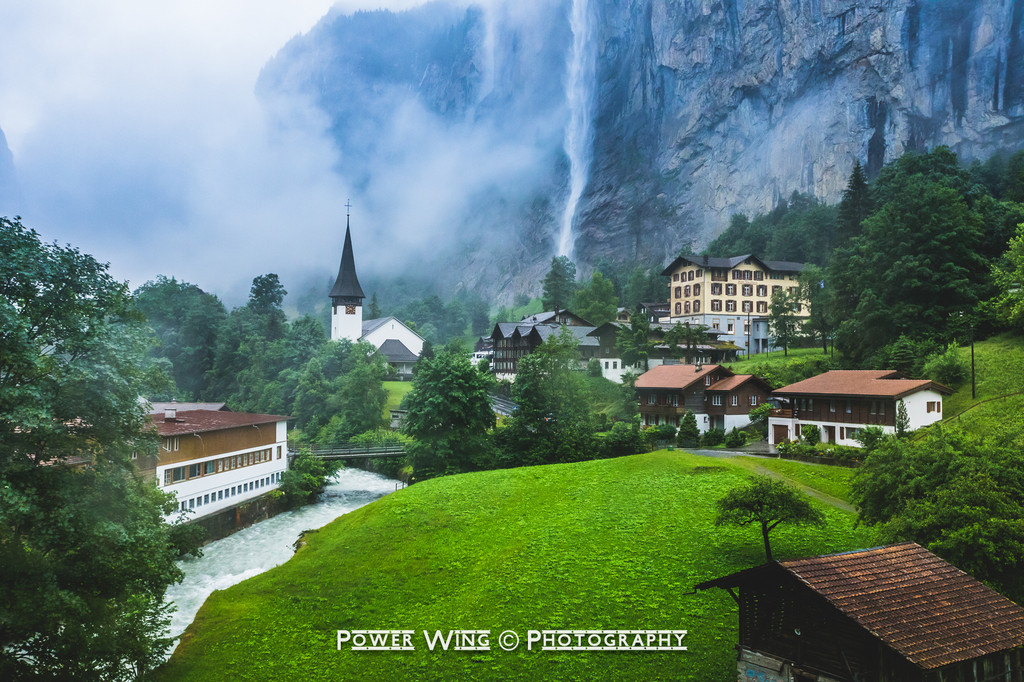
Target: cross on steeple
column 348, row 208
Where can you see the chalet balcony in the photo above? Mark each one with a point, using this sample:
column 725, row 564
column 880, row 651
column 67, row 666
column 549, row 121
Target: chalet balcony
column 668, row 410
column 781, row 413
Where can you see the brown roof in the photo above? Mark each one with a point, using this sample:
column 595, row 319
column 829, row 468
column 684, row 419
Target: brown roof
column 201, row 421
column 923, row 607
column 879, row 383
column 674, row 376
column 734, row 382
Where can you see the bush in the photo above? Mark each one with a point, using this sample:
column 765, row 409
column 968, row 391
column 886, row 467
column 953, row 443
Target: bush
column 869, row 437
column 662, row 432
column 759, row 418
column 594, row 367
column 624, row 438
column 810, row 433
column 948, row 367
column 713, row 437
column 735, row 439
column 689, row 434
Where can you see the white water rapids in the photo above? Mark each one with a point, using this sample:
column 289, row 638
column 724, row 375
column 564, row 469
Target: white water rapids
column 579, row 134
column 266, row 544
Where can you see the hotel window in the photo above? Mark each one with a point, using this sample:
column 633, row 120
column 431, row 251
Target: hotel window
column 679, row 308
column 686, row 307
column 699, row 274
column 696, row 306
column 696, row 290
column 716, row 289
column 679, row 292
column 691, row 276
column 736, row 274
column 675, row 277
column 748, row 289
column 776, row 288
column 748, row 274
column 730, row 306
column 686, row 290
column 762, row 290
column 748, row 306
column 730, row 289
column 762, row 307
column 716, row 324
column 716, row 305
column 758, row 275
column 729, row 327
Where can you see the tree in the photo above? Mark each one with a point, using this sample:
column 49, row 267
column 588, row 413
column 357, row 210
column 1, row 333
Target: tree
column 855, row 205
column 373, row 311
column 683, row 338
column 306, row 478
column 634, row 341
column 902, row 420
column 596, row 301
column 783, row 323
column 813, row 292
column 87, row 554
column 689, row 434
column 1008, row 275
column 559, row 283
column 266, row 296
column 448, row 415
column 767, row 502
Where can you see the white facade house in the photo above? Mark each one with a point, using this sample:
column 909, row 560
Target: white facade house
column 842, row 402
column 213, row 461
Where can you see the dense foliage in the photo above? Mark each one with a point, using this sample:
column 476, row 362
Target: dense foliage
column 86, row 552
column 766, row 502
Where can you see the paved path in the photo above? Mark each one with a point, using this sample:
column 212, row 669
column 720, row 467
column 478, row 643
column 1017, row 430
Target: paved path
column 813, row 492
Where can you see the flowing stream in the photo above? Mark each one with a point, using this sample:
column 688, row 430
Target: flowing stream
column 266, row 544
column 579, row 134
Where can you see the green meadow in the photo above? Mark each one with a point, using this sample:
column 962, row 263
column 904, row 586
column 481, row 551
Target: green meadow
column 606, row 544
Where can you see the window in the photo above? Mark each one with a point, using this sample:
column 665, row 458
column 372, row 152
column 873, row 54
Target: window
column 675, row 277
column 700, row 273
column 716, row 289
column 674, row 400
column 615, row 364
column 678, row 292
column 776, row 288
column 650, row 398
column 762, row 307
column 220, row 494
column 716, row 400
column 607, row 365
column 696, row 290
column 735, row 400
column 716, row 306
column 715, row 324
column 748, row 306
column 691, row 276
column 686, row 290
column 849, row 407
column 707, row 380
column 736, row 274
column 753, row 401
column 730, row 289
column 758, row 275
column 762, row 290
column 730, row 306
column 748, row 274
column 748, row 289
column 696, row 306
column 831, row 404
column 729, row 327
column 686, row 307
column 206, row 498
column 167, row 477
column 192, row 503
column 679, row 308
column 195, row 470
column 220, row 465
column 209, row 467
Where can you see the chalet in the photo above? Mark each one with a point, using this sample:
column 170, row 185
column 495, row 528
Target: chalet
column 887, row 614
column 214, row 460
column 841, row 402
column 730, row 295
column 718, row 398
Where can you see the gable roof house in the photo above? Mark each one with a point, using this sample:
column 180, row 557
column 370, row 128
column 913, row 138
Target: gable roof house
column 887, row 614
column 841, row 402
column 716, row 396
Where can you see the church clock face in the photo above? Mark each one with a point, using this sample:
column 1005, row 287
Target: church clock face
column 350, row 310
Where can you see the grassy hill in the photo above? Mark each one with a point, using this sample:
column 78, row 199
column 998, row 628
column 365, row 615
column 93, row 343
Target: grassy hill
column 597, row 545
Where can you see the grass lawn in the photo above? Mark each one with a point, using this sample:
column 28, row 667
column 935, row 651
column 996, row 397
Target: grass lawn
column 831, row 480
column 396, row 391
column 795, row 356
column 606, row 544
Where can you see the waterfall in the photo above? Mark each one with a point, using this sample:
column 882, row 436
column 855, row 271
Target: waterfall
column 579, row 136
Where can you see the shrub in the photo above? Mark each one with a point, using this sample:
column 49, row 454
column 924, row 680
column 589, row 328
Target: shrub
column 869, row 437
column 689, row 434
column 713, row 437
column 810, row 433
column 735, row 439
column 948, row 367
column 624, row 438
column 661, row 432
column 594, row 367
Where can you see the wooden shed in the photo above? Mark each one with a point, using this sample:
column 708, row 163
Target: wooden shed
column 887, row 614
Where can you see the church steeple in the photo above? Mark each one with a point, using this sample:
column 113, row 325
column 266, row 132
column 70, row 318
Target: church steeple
column 346, row 295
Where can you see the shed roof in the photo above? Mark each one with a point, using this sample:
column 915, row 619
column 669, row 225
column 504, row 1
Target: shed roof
column 926, row 609
column 861, row 382
column 201, row 421
column 396, row 351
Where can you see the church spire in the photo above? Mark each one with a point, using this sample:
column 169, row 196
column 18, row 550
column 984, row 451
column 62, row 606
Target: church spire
column 346, row 289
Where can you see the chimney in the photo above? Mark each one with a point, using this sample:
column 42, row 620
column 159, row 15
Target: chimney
column 171, row 412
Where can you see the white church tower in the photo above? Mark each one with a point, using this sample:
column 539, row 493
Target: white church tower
column 347, row 297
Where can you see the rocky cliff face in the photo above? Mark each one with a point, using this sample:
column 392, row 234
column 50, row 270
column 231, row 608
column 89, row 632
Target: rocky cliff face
column 702, row 108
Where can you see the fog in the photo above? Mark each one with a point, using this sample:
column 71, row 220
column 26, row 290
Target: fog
column 137, row 136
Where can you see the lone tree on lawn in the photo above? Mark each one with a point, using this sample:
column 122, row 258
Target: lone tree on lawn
column 768, row 502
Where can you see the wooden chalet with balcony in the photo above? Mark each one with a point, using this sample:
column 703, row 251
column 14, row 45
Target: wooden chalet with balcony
column 887, row 614
column 718, row 398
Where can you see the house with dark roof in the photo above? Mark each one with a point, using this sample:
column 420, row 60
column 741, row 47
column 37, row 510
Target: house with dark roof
column 213, row 460
column 887, row 614
column 730, row 295
column 841, row 402
column 717, row 397
column 399, row 344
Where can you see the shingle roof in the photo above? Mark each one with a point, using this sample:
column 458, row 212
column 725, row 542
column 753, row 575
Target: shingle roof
column 396, row 351
column 861, row 382
column 923, row 607
column 201, row 421
column 673, row 376
column 734, row 382
column 729, row 263
column 347, row 284
column 926, row 609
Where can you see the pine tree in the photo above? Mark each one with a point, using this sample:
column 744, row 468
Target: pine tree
column 688, row 435
column 559, row 283
column 854, row 207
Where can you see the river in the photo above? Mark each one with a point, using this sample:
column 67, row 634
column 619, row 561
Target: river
column 266, row 544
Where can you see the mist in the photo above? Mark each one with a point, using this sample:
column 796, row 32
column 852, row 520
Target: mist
column 137, row 135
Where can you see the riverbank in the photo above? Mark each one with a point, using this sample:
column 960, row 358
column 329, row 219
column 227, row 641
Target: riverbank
column 596, row 545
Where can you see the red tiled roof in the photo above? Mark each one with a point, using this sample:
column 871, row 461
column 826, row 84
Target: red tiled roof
column 201, row 421
column 928, row 610
column 734, row 382
column 674, row 376
column 860, row 382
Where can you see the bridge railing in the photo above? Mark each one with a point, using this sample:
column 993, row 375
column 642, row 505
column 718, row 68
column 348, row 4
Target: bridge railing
column 355, row 450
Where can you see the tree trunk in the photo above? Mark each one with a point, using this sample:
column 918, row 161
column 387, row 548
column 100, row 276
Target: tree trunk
column 767, row 546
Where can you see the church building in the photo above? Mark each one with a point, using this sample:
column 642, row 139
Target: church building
column 399, row 344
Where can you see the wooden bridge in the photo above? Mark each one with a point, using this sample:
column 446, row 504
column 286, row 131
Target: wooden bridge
column 355, row 451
